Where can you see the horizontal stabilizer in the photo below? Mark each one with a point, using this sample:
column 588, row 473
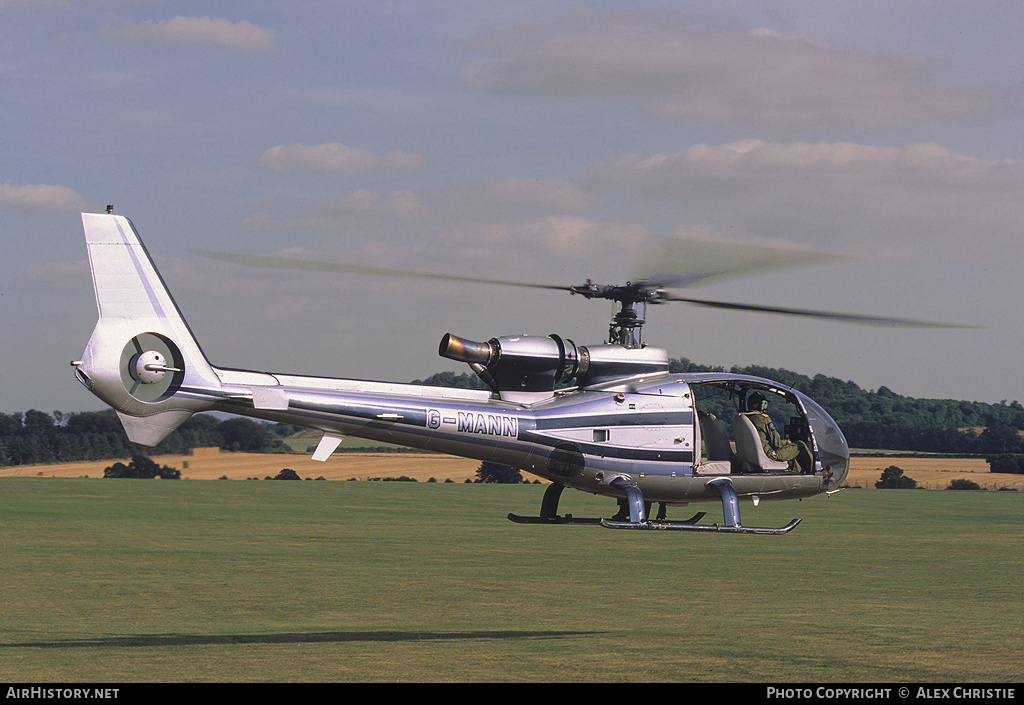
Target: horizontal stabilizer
column 150, row 430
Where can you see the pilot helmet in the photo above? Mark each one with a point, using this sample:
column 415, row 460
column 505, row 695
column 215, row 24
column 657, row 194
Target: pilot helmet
column 756, row 402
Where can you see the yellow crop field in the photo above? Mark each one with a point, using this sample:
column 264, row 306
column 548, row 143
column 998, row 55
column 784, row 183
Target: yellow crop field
column 931, row 473
column 210, row 464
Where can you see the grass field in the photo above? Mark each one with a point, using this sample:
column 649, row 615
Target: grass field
column 130, row 581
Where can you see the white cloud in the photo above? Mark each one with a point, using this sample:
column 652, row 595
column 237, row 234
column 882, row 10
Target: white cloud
column 753, row 158
column 338, row 213
column 40, row 197
column 511, row 197
column 497, row 224
column 573, row 235
column 334, row 158
column 242, row 35
column 921, row 199
column 15, row 5
column 548, row 194
column 535, row 240
column 403, row 203
column 674, row 67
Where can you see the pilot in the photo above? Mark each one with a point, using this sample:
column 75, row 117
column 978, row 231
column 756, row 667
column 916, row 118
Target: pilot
column 797, row 454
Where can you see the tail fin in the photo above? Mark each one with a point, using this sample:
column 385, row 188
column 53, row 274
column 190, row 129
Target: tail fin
column 142, row 359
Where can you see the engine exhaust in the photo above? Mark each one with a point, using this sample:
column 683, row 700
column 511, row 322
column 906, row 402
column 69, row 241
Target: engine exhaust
column 456, row 348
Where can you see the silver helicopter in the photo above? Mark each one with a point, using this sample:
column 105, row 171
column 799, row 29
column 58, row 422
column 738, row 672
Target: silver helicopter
column 607, row 419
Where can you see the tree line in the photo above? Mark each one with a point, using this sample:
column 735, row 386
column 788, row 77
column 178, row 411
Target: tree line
column 871, row 419
column 883, row 420
column 36, row 437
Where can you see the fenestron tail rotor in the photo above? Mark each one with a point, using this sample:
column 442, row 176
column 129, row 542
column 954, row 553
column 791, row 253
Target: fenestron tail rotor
column 151, row 367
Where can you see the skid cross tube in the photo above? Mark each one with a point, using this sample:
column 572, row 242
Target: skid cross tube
column 549, row 510
column 634, row 500
column 730, row 502
column 730, row 513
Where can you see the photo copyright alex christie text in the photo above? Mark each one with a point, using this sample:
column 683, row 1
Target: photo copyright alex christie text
column 926, row 693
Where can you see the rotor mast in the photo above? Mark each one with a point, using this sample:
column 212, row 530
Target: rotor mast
column 627, row 323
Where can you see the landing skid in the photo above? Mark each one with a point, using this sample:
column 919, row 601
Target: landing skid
column 611, row 523
column 549, row 510
column 567, row 519
column 638, row 510
column 687, row 526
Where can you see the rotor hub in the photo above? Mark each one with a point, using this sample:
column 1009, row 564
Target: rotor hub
column 151, row 367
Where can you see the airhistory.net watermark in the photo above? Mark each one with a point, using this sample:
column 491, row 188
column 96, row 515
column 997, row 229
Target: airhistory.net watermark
column 52, row 693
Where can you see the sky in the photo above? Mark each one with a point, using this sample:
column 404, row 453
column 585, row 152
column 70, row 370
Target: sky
column 542, row 141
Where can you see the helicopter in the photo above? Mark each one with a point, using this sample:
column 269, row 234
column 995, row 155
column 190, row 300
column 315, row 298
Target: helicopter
column 607, row 419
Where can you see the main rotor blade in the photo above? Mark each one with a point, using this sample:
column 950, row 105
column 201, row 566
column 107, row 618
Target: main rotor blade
column 735, row 259
column 810, row 313
column 275, row 262
column 682, row 262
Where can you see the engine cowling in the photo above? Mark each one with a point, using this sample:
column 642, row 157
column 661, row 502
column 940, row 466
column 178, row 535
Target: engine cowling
column 520, row 363
column 542, row 363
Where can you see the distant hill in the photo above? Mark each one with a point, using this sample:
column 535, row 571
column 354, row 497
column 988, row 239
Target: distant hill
column 871, row 419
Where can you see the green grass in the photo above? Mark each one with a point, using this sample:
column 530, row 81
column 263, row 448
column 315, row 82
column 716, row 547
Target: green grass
column 128, row 581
